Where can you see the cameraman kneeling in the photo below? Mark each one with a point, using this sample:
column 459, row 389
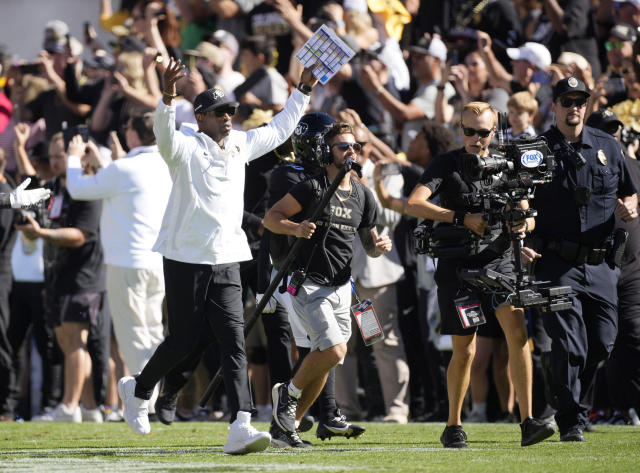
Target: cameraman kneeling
column 443, row 177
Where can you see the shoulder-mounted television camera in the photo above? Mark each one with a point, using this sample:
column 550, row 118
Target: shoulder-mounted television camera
column 507, row 177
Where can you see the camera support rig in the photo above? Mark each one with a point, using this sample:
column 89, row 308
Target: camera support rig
column 515, row 172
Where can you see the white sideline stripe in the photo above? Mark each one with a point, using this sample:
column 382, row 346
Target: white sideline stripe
column 123, row 451
column 135, row 465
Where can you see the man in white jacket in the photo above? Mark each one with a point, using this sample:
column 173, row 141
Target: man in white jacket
column 202, row 242
column 135, row 190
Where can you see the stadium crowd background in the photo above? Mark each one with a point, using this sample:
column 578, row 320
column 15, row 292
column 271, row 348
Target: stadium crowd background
column 418, row 62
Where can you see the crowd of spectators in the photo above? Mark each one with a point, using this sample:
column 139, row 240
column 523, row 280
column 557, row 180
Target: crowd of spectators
column 417, row 64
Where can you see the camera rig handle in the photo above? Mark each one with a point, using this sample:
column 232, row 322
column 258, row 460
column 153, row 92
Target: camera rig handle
column 275, row 282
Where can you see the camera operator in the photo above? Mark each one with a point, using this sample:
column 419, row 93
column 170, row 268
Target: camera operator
column 202, row 242
column 322, row 303
column 575, row 230
column 443, row 177
column 74, row 288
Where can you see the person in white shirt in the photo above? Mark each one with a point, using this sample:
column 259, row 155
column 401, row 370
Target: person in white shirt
column 202, row 242
column 135, row 190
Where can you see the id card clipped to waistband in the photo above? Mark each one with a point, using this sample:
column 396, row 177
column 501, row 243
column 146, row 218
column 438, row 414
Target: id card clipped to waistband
column 368, row 322
column 469, row 311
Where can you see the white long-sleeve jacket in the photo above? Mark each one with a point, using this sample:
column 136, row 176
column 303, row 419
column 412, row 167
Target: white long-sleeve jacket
column 202, row 223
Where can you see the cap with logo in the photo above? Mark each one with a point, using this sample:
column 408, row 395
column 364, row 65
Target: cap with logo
column 603, row 119
column 536, row 53
column 210, row 100
column 431, row 46
column 624, row 32
column 569, row 85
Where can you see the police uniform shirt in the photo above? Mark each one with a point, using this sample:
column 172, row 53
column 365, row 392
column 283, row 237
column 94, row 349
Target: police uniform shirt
column 605, row 176
column 347, row 212
column 443, row 178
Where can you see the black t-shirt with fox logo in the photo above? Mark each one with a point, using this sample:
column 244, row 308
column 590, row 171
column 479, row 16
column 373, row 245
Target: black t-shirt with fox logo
column 327, row 255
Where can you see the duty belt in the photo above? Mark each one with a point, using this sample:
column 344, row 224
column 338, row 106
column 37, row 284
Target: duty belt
column 580, row 253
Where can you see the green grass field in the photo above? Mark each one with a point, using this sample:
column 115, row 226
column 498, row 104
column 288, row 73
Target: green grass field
column 55, row 447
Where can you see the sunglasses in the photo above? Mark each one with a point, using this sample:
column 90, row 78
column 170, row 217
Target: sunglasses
column 609, row 45
column 472, row 131
column 222, row 111
column 568, row 102
column 344, row 145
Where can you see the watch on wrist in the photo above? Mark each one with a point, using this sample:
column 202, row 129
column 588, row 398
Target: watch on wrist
column 304, row 88
column 458, row 218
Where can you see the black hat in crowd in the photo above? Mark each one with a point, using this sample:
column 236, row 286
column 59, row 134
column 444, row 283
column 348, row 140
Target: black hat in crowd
column 604, row 120
column 624, row 32
column 210, row 100
column 569, row 85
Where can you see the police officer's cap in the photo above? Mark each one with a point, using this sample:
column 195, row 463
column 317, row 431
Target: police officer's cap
column 604, row 119
column 569, row 85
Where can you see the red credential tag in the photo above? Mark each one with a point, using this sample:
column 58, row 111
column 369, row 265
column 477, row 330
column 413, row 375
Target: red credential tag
column 368, row 322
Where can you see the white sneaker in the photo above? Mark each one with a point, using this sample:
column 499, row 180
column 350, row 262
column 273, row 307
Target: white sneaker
column 60, row 414
column 244, row 438
column 91, row 415
column 136, row 410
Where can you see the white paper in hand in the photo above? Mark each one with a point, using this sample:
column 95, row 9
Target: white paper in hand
column 325, row 53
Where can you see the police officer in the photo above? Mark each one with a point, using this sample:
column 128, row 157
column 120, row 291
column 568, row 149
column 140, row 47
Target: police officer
column 574, row 229
column 444, row 177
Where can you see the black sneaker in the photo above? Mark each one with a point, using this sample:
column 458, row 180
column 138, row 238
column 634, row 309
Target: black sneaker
column 338, row 427
column 454, row 437
column 284, row 408
column 282, row 439
column 573, row 435
column 166, row 405
column 306, row 423
column 534, row 431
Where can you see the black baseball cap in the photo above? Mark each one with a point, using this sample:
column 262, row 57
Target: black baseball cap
column 211, row 99
column 569, row 85
column 603, row 119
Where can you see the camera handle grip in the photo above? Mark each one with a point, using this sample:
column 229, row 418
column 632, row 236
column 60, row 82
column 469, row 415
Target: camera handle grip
column 295, row 248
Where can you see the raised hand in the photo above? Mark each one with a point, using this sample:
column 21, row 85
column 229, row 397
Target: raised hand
column 22, row 131
column 172, row 74
column 308, row 78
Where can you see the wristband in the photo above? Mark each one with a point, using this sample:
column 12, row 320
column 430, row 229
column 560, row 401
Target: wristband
column 304, row 88
column 171, row 96
column 458, row 218
column 440, row 87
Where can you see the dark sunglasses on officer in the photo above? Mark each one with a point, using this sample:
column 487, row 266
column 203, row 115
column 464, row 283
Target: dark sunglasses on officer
column 568, row 102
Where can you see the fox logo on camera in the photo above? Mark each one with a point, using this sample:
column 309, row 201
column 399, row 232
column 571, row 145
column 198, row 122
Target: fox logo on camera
column 531, row 158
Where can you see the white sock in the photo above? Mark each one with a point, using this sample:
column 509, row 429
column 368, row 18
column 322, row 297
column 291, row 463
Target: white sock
column 295, row 392
column 297, row 423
